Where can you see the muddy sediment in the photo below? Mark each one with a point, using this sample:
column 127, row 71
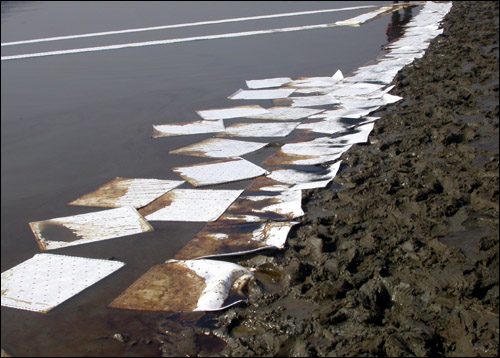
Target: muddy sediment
column 399, row 255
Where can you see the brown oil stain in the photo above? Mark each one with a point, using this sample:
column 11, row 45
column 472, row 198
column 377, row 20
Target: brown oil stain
column 281, row 158
column 305, row 136
column 243, row 207
column 106, row 195
column 262, row 182
column 160, row 203
column 194, row 149
column 59, row 230
column 227, row 134
column 158, row 134
column 170, row 287
column 222, row 238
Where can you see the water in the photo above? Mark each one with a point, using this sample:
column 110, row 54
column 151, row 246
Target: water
column 71, row 123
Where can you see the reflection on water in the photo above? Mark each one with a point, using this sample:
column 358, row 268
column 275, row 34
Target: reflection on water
column 10, row 8
column 396, row 27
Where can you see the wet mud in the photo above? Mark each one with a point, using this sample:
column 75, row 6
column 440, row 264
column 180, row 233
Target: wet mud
column 399, row 255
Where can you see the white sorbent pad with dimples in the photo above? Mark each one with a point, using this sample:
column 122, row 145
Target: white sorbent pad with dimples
column 219, row 172
column 122, row 192
column 268, row 82
column 46, row 280
column 261, row 94
column 286, row 113
column 219, row 148
column 233, row 112
column 280, row 129
column 191, row 205
column 198, row 127
column 90, row 227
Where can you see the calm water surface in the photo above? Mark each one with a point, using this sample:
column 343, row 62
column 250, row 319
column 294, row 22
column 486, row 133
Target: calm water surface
column 71, row 123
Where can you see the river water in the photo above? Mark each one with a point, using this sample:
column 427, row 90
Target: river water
column 73, row 122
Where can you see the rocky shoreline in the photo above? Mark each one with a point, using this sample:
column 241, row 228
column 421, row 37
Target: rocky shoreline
column 399, row 256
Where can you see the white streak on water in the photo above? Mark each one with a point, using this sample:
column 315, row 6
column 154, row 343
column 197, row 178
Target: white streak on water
column 178, row 40
column 191, row 24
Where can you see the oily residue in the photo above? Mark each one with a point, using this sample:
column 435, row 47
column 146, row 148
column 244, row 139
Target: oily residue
column 228, row 238
column 259, row 184
column 166, row 287
column 122, row 192
column 106, row 195
column 157, row 133
column 244, row 209
column 90, row 227
column 160, row 203
column 282, row 158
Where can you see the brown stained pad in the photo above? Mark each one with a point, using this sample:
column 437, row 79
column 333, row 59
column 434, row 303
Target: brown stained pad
column 190, row 128
column 281, row 158
column 283, row 102
column 249, row 210
column 157, row 133
column 88, row 228
column 165, row 287
column 103, row 196
column 226, row 237
column 122, row 192
column 262, row 182
column 206, row 246
column 243, row 209
column 160, row 203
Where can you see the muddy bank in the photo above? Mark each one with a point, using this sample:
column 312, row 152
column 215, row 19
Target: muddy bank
column 399, row 256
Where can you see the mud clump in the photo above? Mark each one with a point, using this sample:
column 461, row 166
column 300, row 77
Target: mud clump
column 402, row 259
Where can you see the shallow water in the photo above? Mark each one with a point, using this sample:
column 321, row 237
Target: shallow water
column 71, row 123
